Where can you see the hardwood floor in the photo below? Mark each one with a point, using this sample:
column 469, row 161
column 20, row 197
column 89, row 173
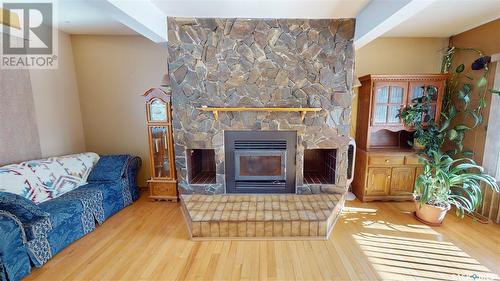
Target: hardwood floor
column 372, row 241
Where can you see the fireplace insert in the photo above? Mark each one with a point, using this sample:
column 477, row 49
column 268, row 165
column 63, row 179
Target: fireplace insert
column 260, row 161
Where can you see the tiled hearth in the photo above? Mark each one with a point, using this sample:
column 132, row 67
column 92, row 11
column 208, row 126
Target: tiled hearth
column 261, row 216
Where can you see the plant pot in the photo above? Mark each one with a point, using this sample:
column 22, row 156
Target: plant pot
column 417, row 145
column 430, row 214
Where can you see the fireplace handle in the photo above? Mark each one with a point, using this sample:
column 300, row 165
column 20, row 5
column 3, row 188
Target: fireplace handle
column 353, row 143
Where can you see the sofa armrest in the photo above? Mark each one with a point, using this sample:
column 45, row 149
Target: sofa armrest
column 109, row 168
column 26, row 211
column 14, row 258
column 113, row 168
column 133, row 168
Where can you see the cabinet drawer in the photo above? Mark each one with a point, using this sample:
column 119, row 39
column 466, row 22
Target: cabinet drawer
column 412, row 160
column 158, row 189
column 386, row 160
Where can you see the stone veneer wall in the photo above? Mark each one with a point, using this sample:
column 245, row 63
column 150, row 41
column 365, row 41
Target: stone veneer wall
column 260, row 63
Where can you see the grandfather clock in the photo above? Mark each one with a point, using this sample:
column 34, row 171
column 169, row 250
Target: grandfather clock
column 163, row 181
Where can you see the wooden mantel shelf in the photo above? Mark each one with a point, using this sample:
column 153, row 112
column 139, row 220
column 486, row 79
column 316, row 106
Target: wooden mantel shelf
column 302, row 110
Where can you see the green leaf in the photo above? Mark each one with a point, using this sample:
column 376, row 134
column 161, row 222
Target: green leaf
column 466, row 100
column 494, row 91
column 477, row 118
column 482, row 102
column 482, row 82
column 445, row 125
column 452, row 134
column 467, row 87
column 468, row 153
column 460, row 68
column 461, row 94
column 461, row 127
column 452, row 111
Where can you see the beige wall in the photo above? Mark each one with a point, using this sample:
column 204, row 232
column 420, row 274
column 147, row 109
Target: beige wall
column 113, row 72
column 398, row 56
column 40, row 110
column 57, row 105
column 18, row 132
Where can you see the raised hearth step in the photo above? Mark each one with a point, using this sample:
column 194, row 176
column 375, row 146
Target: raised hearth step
column 258, row 216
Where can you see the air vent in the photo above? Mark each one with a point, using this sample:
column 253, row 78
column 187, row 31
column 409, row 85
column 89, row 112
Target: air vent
column 260, row 144
column 260, row 184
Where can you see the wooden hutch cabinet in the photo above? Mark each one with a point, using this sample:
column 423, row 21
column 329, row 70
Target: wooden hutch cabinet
column 163, row 182
column 386, row 165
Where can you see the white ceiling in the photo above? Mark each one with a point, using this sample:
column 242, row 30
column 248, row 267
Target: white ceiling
column 445, row 18
column 312, row 9
column 442, row 18
column 87, row 17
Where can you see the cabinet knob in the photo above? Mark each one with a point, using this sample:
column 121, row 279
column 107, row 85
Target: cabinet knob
column 386, row 160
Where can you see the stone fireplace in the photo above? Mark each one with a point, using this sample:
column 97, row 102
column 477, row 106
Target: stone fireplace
column 261, row 63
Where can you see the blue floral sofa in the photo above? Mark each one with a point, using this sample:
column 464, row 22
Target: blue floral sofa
column 47, row 204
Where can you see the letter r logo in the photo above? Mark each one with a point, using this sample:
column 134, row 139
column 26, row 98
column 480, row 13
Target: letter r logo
column 36, row 29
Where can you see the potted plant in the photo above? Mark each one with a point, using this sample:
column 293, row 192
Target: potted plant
column 412, row 117
column 448, row 182
column 427, row 135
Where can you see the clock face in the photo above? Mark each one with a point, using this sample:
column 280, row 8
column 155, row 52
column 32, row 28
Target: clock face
column 158, row 110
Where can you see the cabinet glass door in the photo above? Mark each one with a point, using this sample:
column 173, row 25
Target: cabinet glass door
column 381, row 101
column 432, row 92
column 160, row 151
column 389, row 99
column 418, row 90
column 396, row 103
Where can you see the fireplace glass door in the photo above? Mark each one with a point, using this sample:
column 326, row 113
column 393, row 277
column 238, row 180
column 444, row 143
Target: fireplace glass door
column 260, row 161
column 262, row 165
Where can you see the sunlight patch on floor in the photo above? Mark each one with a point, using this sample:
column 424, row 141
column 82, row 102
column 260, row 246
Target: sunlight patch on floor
column 349, row 210
column 409, row 228
column 401, row 258
column 353, row 214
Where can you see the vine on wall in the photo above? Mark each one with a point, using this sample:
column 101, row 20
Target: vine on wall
column 461, row 89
